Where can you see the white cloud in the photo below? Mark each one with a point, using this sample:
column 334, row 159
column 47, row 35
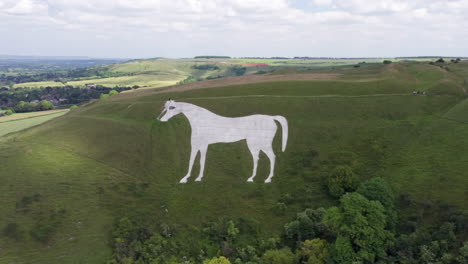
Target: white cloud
column 264, row 27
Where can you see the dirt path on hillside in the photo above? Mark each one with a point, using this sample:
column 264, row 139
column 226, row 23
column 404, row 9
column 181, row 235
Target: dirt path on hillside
column 227, row 81
column 29, row 115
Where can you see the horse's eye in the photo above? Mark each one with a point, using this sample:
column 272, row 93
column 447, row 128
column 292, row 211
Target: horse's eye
column 171, row 107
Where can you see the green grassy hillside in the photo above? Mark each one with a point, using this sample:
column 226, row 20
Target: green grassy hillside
column 66, row 182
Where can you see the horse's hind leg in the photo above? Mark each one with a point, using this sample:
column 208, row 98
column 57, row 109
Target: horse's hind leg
column 202, row 162
column 255, row 152
column 193, row 154
column 271, row 155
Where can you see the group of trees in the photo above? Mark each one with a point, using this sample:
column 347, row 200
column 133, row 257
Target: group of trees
column 368, row 224
column 62, row 76
column 23, row 106
column 362, row 228
column 106, row 95
column 57, row 95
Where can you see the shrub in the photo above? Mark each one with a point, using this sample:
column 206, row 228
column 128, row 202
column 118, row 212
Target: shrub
column 280, row 208
column 104, row 96
column 387, row 61
column 73, row 107
column 13, row 231
column 440, row 60
column 189, row 79
column 238, row 71
column 8, row 112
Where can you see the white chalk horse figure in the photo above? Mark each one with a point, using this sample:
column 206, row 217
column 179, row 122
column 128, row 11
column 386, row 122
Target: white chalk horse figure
column 209, row 128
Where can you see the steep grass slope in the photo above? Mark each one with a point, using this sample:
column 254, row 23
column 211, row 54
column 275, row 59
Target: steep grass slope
column 65, row 182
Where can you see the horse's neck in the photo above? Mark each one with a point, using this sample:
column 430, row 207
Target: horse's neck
column 192, row 111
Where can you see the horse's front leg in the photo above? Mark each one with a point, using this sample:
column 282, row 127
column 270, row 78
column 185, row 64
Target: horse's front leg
column 203, row 151
column 193, row 154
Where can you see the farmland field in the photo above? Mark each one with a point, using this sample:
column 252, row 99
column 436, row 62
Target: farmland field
column 154, row 73
column 153, row 81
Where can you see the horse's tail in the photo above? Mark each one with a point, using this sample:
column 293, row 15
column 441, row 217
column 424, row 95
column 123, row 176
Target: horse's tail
column 284, row 126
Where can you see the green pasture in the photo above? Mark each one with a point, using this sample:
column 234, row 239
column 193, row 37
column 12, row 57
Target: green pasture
column 21, row 124
column 111, row 159
column 140, row 80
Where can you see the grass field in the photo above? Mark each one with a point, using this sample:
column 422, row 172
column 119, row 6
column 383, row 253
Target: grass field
column 153, row 81
column 111, row 158
column 18, row 122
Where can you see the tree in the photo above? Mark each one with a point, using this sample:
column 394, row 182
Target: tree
column 220, row 260
column 314, row 251
column 359, row 227
column 340, row 180
column 307, row 225
column 113, row 92
column 44, row 105
column 232, row 231
column 463, row 257
column 377, row 189
column 278, row 256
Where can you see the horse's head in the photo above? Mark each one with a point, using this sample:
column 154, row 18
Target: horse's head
column 170, row 109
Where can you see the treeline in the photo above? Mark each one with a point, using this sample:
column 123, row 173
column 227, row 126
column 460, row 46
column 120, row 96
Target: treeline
column 23, row 107
column 59, row 76
column 370, row 223
column 57, row 95
column 212, row 57
column 205, row 67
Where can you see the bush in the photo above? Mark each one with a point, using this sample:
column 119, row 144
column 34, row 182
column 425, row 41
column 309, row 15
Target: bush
column 441, row 60
column 280, row 208
column 104, row 96
column 238, row 71
column 13, row 231
column 8, row 112
column 73, row 107
column 387, row 61
column 189, row 79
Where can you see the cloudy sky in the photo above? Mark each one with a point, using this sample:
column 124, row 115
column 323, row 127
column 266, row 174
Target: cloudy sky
column 185, row 28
